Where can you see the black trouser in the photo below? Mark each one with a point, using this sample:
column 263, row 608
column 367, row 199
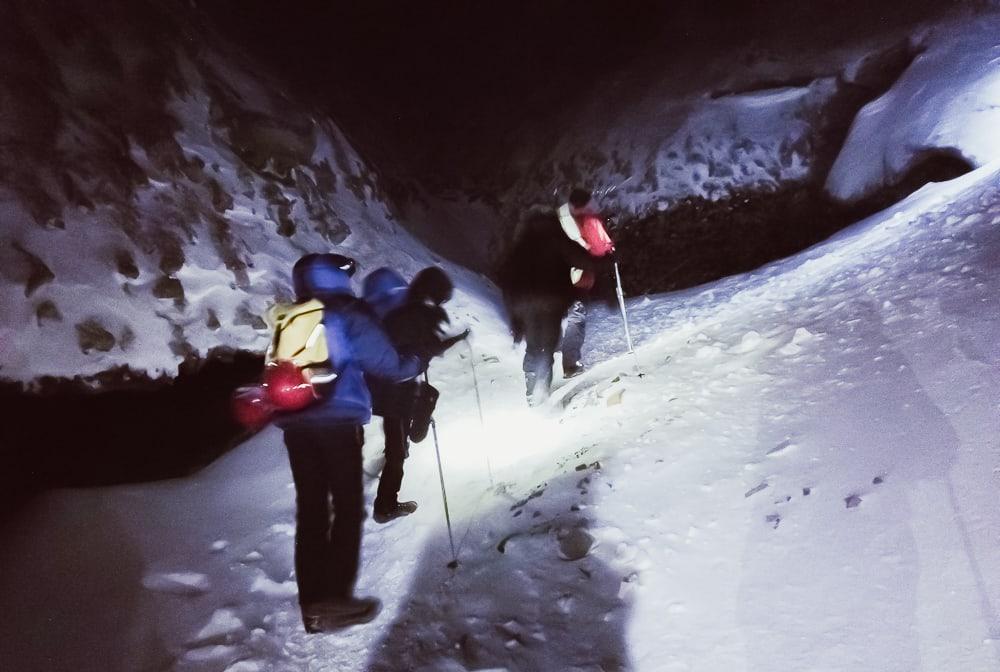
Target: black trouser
column 541, row 336
column 326, row 466
column 396, row 449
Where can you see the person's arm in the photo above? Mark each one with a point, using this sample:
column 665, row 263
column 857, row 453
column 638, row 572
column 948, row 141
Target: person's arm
column 374, row 352
column 452, row 340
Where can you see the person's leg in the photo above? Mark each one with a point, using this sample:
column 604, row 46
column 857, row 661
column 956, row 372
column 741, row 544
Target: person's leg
column 343, row 469
column 573, row 337
column 392, row 473
column 541, row 337
column 305, row 455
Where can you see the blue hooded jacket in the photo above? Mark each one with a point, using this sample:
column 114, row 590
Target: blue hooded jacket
column 384, row 290
column 357, row 344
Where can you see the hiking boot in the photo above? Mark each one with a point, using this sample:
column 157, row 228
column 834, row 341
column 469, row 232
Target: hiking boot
column 574, row 369
column 397, row 510
column 331, row 615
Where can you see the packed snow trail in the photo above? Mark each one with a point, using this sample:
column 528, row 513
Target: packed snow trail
column 804, row 479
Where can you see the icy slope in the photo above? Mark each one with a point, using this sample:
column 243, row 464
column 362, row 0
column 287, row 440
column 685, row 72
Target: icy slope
column 155, row 188
column 805, row 478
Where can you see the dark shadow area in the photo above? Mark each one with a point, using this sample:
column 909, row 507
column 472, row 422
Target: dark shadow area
column 120, row 426
column 70, row 582
column 513, row 603
column 699, row 240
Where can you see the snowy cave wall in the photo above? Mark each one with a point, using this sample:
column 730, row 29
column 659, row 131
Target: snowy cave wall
column 156, row 187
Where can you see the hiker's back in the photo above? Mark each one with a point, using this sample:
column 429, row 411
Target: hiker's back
column 416, row 328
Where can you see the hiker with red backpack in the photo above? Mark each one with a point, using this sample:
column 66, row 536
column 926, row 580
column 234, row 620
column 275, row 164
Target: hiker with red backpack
column 325, row 439
column 546, row 275
column 415, row 320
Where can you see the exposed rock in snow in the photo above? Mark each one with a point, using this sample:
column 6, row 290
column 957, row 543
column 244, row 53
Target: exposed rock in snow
column 575, row 544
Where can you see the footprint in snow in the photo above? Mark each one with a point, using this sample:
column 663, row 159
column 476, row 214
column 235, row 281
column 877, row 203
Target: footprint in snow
column 854, row 500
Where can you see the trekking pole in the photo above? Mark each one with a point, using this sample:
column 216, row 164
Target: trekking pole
column 621, row 306
column 444, row 495
column 479, row 405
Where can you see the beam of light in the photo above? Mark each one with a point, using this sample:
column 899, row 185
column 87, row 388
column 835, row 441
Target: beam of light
column 510, row 437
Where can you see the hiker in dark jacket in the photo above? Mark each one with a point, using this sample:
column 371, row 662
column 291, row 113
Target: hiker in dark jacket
column 417, row 327
column 324, row 443
column 538, row 289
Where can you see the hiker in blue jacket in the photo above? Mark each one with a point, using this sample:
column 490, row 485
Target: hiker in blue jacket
column 324, row 443
column 385, row 290
column 414, row 320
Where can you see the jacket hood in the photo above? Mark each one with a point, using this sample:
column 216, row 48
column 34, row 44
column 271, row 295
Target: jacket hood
column 384, row 289
column 382, row 281
column 318, row 275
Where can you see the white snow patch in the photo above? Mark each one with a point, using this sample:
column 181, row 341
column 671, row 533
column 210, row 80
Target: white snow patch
column 272, row 589
column 178, row 583
column 950, row 100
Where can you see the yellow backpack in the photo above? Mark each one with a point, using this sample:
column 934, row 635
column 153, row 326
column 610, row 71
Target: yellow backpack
column 298, row 336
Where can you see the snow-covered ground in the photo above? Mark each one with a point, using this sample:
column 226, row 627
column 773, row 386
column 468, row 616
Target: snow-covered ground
column 804, row 478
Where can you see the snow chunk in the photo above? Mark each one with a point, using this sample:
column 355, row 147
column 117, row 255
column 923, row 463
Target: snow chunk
column 224, row 627
column 222, row 655
column 707, row 352
column 245, row 666
column 750, row 341
column 272, row 589
column 178, row 583
column 800, row 336
column 286, row 529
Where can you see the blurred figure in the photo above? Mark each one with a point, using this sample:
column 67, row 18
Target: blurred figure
column 580, row 220
column 552, row 264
